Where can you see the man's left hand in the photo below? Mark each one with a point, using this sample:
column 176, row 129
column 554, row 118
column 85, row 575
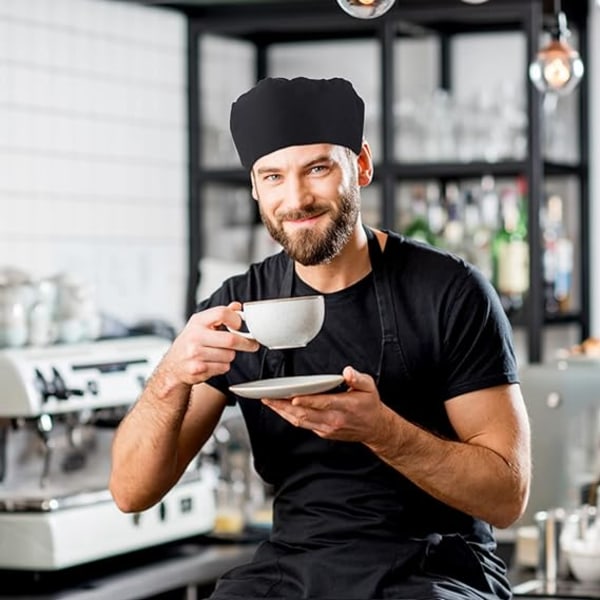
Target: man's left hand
column 355, row 415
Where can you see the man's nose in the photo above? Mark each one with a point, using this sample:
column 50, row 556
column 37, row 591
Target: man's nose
column 297, row 192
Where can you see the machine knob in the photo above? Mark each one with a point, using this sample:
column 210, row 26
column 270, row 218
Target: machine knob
column 43, row 386
column 61, row 391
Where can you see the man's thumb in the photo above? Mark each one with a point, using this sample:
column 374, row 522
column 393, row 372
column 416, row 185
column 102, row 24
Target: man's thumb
column 357, row 380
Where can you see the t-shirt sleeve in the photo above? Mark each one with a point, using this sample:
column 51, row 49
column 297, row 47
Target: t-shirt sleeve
column 477, row 337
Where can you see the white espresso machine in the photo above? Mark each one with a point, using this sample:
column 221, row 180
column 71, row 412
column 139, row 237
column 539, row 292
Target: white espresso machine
column 59, row 407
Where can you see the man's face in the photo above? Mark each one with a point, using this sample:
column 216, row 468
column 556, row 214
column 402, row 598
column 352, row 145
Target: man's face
column 309, row 201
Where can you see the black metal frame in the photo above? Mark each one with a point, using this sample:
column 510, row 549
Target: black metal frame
column 266, row 23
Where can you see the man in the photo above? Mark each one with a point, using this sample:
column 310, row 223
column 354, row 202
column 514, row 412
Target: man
column 390, row 487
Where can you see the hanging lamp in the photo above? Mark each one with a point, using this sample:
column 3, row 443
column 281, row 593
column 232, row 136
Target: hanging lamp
column 366, row 9
column 557, row 67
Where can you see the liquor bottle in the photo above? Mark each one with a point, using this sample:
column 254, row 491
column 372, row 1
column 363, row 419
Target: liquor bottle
column 490, row 203
column 557, row 258
column 419, row 228
column 436, row 212
column 511, row 250
column 454, row 230
column 481, row 223
column 477, row 239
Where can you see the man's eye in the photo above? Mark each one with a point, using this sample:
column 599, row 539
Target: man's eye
column 272, row 177
column 318, row 169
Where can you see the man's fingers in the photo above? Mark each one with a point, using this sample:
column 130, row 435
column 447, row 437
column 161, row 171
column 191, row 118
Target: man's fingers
column 358, row 381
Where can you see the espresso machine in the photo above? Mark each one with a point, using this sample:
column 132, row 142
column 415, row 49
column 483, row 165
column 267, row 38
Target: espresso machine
column 59, row 406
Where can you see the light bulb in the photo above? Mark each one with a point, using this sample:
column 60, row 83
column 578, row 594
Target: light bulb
column 557, row 67
column 366, row 9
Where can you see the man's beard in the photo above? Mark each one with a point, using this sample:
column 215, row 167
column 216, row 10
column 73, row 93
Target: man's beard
column 309, row 246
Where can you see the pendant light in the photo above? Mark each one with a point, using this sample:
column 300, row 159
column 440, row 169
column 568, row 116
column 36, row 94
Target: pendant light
column 366, row 9
column 557, row 67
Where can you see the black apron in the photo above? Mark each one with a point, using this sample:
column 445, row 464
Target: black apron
column 303, row 559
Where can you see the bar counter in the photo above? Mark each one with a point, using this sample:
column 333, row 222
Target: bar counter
column 187, row 570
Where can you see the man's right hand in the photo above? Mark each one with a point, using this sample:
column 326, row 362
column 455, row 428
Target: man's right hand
column 204, row 348
column 174, row 416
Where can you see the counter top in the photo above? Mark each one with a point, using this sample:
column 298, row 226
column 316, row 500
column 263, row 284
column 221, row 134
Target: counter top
column 196, row 562
column 526, row 585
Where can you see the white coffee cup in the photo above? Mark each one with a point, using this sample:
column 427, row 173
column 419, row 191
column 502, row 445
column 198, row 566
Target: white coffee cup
column 281, row 323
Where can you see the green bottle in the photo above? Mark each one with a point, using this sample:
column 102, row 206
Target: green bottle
column 510, row 249
column 419, row 227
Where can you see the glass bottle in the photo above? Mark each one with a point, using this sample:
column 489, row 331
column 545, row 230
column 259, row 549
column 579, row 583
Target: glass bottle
column 419, row 228
column 511, row 250
column 436, row 212
column 557, row 258
column 481, row 220
column 472, row 239
column 454, row 230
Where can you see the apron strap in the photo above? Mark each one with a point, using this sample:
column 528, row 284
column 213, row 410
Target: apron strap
column 383, row 289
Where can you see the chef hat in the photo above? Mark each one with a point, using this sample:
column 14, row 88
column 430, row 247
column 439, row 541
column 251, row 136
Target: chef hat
column 279, row 112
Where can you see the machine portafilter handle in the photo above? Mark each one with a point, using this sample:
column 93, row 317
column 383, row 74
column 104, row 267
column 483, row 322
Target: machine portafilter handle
column 44, row 428
column 3, row 441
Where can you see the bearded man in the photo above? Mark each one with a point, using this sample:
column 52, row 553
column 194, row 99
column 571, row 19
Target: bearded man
column 390, row 485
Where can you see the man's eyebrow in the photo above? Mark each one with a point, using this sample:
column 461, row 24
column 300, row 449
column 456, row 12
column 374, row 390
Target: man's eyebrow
column 319, row 159
column 313, row 161
column 261, row 170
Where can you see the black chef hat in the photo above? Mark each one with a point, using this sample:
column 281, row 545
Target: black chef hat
column 280, row 112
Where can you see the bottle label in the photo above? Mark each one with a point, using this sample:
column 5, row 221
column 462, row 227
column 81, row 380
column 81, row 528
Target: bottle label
column 513, row 267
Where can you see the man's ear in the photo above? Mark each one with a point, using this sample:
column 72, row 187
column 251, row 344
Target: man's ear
column 253, row 190
column 365, row 165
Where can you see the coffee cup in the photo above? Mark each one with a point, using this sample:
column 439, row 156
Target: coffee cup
column 280, row 323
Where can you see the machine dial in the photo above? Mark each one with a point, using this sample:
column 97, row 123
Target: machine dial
column 61, row 391
column 44, row 387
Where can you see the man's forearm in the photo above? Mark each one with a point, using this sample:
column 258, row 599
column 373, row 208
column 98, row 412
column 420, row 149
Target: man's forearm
column 469, row 477
column 145, row 448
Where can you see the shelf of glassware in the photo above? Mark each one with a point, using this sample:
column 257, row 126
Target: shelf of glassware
column 479, row 126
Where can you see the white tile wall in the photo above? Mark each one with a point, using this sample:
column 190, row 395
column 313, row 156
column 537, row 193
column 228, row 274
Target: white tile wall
column 93, row 149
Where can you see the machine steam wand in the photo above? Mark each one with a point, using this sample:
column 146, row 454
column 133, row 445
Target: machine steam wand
column 44, row 428
column 4, row 425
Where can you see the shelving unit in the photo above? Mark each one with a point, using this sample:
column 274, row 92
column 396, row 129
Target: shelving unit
column 268, row 25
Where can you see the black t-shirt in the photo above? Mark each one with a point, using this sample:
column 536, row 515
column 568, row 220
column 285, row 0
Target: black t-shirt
column 454, row 338
column 454, row 333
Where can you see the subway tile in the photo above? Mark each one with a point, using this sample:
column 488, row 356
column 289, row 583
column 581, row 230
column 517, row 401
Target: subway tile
column 5, row 38
column 11, row 8
column 6, row 84
column 93, row 148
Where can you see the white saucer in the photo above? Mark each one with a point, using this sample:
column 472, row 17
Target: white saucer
column 287, row 387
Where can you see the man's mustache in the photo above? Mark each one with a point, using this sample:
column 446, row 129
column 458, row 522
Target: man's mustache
column 296, row 215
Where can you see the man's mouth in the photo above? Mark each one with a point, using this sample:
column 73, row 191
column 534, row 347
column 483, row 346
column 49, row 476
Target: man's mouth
column 303, row 219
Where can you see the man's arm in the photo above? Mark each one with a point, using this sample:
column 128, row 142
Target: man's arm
column 486, row 473
column 177, row 411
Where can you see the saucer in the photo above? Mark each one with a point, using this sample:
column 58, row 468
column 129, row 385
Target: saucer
column 287, row 387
